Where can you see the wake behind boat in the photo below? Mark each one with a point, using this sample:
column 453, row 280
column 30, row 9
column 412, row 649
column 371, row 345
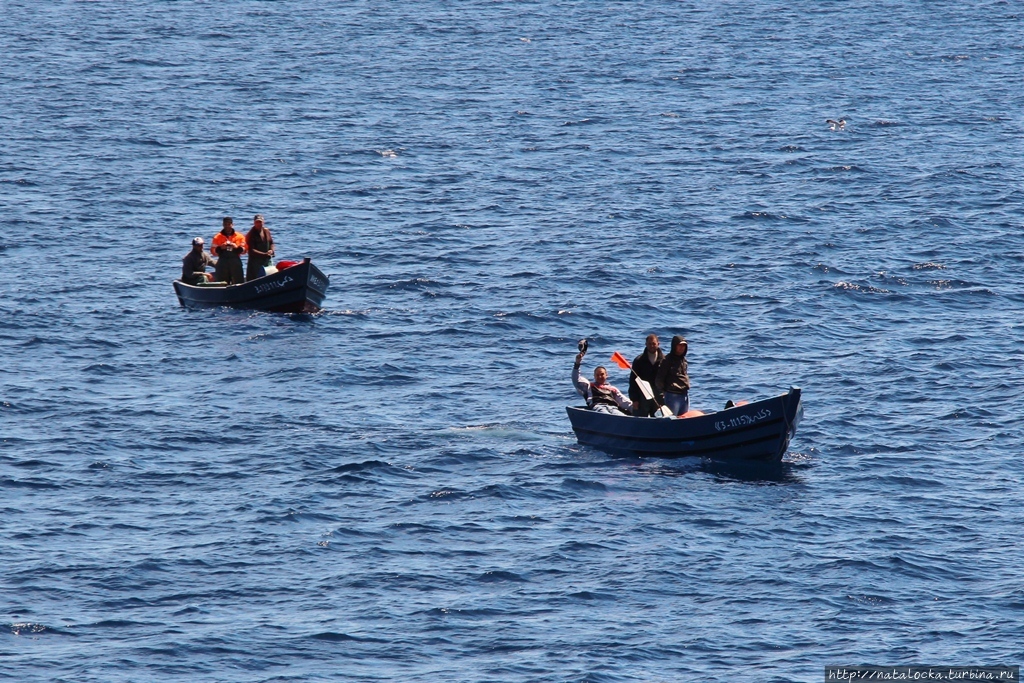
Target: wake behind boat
column 754, row 431
column 300, row 288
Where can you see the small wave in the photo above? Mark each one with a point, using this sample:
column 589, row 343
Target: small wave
column 580, row 546
column 872, row 600
column 854, row 287
column 823, row 268
column 361, row 466
column 768, row 216
column 336, row 637
column 498, row 576
column 446, row 494
column 846, row 168
column 456, row 612
column 116, row 623
column 415, row 284
column 101, row 369
column 28, row 628
column 935, row 222
column 27, row 484
column 587, row 595
column 33, row 463
column 583, row 485
column 147, row 142
column 928, row 266
column 295, row 516
column 144, row 62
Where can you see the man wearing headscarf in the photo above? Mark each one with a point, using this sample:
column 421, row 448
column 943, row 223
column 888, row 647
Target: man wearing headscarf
column 193, row 266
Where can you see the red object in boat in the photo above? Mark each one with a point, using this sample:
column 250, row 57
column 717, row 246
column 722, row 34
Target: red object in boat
column 281, row 265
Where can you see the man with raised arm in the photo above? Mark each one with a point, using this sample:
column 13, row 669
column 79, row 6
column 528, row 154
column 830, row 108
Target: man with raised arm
column 600, row 396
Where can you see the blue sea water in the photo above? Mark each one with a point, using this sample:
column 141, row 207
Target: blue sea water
column 390, row 490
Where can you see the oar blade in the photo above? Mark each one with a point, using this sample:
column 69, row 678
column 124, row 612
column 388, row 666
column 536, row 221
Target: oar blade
column 645, row 388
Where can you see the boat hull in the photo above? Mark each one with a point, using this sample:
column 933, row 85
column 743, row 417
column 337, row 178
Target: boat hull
column 756, row 431
column 299, row 289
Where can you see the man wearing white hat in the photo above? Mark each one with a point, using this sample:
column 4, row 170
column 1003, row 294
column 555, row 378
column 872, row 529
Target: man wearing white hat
column 193, row 266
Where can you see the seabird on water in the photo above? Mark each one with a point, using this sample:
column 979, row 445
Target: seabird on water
column 836, row 125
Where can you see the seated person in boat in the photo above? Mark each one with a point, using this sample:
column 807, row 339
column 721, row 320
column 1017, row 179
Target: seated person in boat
column 645, row 367
column 260, row 246
column 672, row 379
column 228, row 246
column 193, row 266
column 601, row 396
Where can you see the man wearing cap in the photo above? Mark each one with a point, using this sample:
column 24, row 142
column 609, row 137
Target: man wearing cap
column 672, row 378
column 228, row 246
column 193, row 266
column 260, row 245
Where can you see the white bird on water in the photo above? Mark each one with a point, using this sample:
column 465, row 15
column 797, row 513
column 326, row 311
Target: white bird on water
column 834, row 125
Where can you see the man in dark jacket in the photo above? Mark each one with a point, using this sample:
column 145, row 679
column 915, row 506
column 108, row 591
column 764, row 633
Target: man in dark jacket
column 193, row 266
column 672, row 379
column 645, row 366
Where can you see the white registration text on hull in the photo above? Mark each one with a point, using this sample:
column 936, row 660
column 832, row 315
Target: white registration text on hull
column 276, row 284
column 743, row 420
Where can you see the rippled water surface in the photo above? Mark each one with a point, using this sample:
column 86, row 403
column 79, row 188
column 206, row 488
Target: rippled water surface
column 390, row 490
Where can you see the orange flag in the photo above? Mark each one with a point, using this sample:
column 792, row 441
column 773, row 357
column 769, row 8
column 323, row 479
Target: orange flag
column 618, row 359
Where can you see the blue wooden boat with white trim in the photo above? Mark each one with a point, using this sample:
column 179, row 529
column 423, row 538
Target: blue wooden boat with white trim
column 758, row 431
column 298, row 289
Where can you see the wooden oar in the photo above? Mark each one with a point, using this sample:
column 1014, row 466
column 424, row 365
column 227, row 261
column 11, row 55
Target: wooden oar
column 645, row 386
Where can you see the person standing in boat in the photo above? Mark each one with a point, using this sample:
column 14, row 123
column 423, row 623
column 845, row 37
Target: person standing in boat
column 601, row 396
column 228, row 246
column 645, row 366
column 672, row 379
column 193, row 266
column 260, row 245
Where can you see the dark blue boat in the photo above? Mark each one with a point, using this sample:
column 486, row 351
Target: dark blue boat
column 298, row 289
column 754, row 431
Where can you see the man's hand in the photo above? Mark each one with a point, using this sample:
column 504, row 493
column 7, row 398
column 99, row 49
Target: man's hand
column 579, row 358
